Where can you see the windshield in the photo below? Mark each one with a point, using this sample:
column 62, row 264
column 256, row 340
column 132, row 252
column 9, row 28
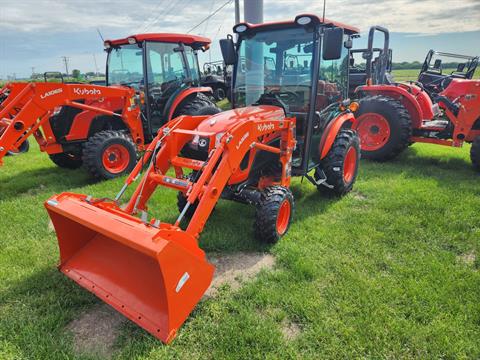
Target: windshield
column 275, row 62
column 125, row 65
column 449, row 63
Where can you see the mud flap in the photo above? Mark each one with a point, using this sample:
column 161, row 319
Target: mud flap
column 154, row 277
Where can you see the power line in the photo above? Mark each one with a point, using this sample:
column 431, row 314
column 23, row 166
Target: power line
column 212, row 4
column 209, row 16
column 164, row 15
column 148, row 21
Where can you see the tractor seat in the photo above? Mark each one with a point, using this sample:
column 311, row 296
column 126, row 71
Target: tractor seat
column 325, row 92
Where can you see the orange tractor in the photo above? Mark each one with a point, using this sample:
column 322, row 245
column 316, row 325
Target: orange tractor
column 437, row 109
column 151, row 79
column 283, row 123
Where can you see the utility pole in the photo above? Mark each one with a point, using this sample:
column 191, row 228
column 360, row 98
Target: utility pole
column 65, row 61
column 96, row 66
column 237, row 11
column 253, row 13
column 33, row 71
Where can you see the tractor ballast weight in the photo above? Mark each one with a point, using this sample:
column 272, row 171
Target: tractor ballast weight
column 94, row 135
column 154, row 272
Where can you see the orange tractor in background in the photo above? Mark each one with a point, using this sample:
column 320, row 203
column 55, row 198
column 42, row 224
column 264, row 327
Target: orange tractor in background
column 151, row 79
column 437, row 109
column 289, row 120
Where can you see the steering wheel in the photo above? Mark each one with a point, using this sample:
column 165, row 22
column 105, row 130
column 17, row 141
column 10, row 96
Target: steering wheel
column 445, row 82
column 292, row 97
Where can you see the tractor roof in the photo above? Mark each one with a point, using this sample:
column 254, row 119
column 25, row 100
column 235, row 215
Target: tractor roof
column 348, row 28
column 192, row 40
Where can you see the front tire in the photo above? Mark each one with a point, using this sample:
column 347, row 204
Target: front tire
column 273, row 214
column 197, row 105
column 384, row 127
column 341, row 163
column 24, row 147
column 109, row 154
column 475, row 153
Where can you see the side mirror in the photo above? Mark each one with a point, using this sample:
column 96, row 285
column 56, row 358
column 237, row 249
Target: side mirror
column 228, row 51
column 438, row 64
column 332, row 44
column 460, row 67
column 348, row 44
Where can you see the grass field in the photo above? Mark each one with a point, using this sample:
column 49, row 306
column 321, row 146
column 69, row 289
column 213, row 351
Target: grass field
column 390, row 271
column 412, row 74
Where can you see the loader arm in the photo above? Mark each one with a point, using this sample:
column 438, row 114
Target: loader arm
column 154, row 272
column 28, row 106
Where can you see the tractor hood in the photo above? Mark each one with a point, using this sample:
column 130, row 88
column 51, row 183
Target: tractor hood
column 219, row 122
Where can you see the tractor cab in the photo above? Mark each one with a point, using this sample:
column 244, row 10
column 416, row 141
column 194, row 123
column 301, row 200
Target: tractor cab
column 300, row 66
column 440, row 68
column 160, row 67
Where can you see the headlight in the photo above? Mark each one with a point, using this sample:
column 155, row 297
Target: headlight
column 194, row 143
column 200, row 143
column 240, row 28
column 304, row 20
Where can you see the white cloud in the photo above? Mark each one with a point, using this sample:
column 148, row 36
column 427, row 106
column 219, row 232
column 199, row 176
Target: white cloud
column 415, row 16
column 37, row 32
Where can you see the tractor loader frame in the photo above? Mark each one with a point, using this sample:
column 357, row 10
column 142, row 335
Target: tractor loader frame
column 161, row 69
column 153, row 271
column 29, row 106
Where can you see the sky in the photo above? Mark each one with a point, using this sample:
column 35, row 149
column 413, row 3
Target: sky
column 37, row 33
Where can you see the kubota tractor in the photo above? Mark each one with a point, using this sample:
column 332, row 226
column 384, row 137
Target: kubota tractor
column 288, row 121
column 87, row 124
column 391, row 116
column 433, row 77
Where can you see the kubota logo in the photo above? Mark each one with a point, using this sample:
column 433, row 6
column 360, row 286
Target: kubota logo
column 51, row 92
column 85, row 91
column 266, row 127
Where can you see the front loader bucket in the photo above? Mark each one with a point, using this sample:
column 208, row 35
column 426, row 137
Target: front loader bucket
column 153, row 276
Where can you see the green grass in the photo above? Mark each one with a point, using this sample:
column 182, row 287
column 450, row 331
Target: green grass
column 412, row 74
column 376, row 274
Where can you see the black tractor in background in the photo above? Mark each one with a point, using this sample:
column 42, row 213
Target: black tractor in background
column 217, row 76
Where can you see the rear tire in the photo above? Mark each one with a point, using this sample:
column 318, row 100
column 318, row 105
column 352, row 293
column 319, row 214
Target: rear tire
column 197, row 105
column 21, row 150
column 219, row 94
column 384, row 127
column 109, row 154
column 341, row 163
column 67, row 161
column 475, row 153
column 273, row 214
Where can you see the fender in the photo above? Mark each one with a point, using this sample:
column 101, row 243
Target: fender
column 82, row 123
column 416, row 101
column 183, row 95
column 331, row 131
